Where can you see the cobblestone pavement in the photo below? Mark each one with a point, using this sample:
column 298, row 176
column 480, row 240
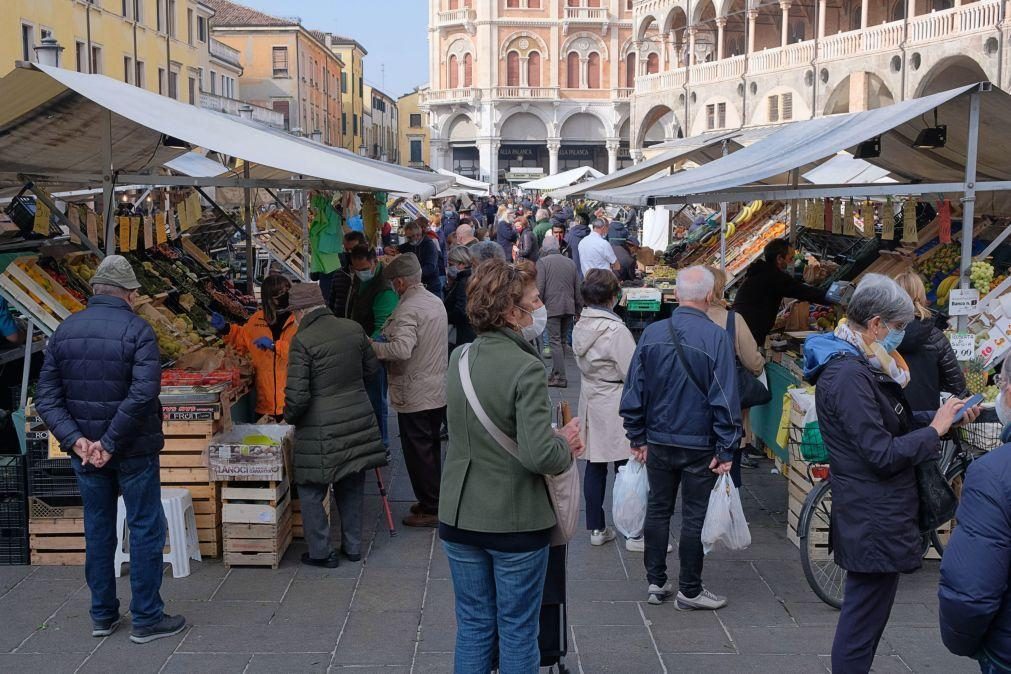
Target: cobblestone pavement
column 394, row 612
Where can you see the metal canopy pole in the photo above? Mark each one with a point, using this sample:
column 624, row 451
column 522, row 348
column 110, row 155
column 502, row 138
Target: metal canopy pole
column 723, row 226
column 969, row 198
column 304, row 218
column 108, row 184
column 794, row 211
column 29, row 336
column 250, row 255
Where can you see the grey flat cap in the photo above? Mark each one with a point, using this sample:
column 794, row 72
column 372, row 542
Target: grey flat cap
column 401, row 266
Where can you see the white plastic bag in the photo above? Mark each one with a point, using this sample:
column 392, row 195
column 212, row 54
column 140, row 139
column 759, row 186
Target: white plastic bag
column 630, row 496
column 725, row 524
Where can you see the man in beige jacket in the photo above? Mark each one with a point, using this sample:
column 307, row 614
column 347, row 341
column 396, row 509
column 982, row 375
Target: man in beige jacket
column 414, row 348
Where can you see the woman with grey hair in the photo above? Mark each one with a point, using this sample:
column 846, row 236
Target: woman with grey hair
column 459, row 271
column 874, row 442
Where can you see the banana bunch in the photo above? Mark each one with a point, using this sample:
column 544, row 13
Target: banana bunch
column 944, row 289
column 744, row 216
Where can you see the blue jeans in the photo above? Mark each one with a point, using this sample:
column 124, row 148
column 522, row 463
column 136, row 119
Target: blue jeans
column 497, row 594
column 138, row 480
column 376, row 389
column 987, row 665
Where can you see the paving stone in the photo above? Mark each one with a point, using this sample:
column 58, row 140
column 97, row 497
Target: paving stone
column 632, row 643
column 305, row 663
column 378, row 638
column 201, row 584
column 809, row 613
column 260, row 639
column 220, row 612
column 883, row 664
column 251, row 584
column 603, row 613
column 766, row 664
column 69, row 631
column 784, row 640
column 206, row 663
column 12, row 575
column 26, row 607
column 33, row 663
column 118, row 649
column 316, row 602
column 922, row 650
column 434, row 663
column 389, row 590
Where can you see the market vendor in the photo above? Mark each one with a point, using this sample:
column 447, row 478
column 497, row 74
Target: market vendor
column 9, row 327
column 765, row 285
column 266, row 337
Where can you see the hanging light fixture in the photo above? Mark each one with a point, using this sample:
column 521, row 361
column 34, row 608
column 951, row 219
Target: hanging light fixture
column 170, row 141
column 932, row 137
column 869, row 149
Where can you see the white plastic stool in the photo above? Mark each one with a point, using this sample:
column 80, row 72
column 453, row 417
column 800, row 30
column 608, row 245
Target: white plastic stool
column 182, row 532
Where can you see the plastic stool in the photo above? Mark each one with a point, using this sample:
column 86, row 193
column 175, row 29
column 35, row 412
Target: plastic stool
column 177, row 505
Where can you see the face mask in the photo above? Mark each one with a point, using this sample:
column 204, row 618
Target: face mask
column 365, row 274
column 892, row 340
column 1003, row 413
column 535, row 329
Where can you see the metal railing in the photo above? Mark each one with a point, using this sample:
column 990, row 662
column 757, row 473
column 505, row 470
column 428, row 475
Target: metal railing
column 449, row 95
column 456, row 16
column 224, row 52
column 589, row 14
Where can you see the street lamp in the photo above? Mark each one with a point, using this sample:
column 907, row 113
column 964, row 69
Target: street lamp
column 48, row 53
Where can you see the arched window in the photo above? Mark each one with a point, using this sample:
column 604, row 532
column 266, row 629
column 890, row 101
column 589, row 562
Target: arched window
column 630, row 70
column 653, row 63
column 512, row 69
column 534, row 69
column 468, row 70
column 572, row 70
column 452, row 4
column 454, row 72
column 593, row 71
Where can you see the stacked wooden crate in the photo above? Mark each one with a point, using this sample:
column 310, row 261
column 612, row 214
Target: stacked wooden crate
column 256, row 493
column 56, row 534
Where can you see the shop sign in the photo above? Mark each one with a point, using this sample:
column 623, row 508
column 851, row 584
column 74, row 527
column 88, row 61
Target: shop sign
column 962, row 302
column 575, row 152
column 964, row 345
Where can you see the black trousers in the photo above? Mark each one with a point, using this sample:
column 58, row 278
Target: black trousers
column 668, row 469
column 865, row 610
column 594, row 488
column 420, row 439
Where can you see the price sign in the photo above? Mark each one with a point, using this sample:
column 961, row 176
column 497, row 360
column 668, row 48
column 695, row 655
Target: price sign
column 963, row 345
column 962, row 302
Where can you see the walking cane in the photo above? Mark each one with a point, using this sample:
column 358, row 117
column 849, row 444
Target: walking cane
column 386, row 503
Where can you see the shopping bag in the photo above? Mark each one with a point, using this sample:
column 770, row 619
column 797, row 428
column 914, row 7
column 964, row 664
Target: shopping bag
column 630, row 496
column 725, row 524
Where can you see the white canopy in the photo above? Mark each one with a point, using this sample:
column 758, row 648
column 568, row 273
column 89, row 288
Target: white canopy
column 844, row 169
column 51, row 124
column 563, row 179
column 197, row 165
column 802, row 145
column 465, row 184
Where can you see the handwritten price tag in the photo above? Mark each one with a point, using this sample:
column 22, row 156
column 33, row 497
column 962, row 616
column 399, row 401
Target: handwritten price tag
column 963, row 345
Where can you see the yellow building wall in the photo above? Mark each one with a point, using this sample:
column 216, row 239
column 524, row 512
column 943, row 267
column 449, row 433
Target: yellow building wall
column 407, row 106
column 353, row 100
column 103, row 26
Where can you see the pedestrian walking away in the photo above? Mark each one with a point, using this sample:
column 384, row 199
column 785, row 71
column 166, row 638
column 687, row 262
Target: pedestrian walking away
column 558, row 285
column 682, row 417
column 98, row 395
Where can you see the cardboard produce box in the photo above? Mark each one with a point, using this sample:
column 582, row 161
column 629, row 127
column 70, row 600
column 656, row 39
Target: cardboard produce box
column 243, row 453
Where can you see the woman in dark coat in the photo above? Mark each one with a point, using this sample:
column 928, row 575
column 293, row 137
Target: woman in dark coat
column 933, row 367
column 460, row 268
column 336, row 436
column 874, row 445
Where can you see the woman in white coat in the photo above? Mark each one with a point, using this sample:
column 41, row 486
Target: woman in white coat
column 603, row 348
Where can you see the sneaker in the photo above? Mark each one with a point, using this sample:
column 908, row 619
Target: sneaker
column 104, row 629
column 601, row 536
column 557, row 382
column 331, row 561
column 706, row 601
column 169, row 626
column 658, row 594
column 639, row 545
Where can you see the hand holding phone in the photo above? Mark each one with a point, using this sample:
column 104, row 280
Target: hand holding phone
column 969, row 404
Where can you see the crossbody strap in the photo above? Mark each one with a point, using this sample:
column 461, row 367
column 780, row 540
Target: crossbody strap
column 684, row 361
column 494, row 431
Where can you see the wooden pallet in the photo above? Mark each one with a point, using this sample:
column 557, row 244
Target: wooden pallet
column 56, row 541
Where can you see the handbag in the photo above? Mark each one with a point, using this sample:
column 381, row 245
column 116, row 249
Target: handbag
column 564, row 489
column 937, row 499
column 750, row 389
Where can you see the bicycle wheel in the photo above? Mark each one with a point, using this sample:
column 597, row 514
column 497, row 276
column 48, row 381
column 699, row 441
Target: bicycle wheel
column 825, row 577
column 955, row 476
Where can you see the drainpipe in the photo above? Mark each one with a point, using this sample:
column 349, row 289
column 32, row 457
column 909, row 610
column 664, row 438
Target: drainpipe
column 744, row 73
column 1000, row 45
column 689, row 25
column 814, row 60
column 87, row 23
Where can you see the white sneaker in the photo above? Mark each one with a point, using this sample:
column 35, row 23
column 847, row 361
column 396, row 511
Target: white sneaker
column 706, row 601
column 639, row 545
column 601, row 536
column 658, row 594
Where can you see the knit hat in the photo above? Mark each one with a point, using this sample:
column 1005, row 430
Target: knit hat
column 305, row 296
column 401, row 266
column 115, row 270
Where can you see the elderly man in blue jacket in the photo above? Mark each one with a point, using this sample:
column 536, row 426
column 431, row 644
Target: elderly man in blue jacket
column 975, row 587
column 98, row 394
column 683, row 417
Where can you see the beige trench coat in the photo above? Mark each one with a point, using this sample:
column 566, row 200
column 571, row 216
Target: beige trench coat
column 603, row 348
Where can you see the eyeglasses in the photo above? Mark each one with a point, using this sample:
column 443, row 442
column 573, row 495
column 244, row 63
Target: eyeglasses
column 1000, row 380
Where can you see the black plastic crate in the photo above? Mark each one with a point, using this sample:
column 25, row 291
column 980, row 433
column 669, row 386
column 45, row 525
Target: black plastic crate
column 38, row 457
column 12, row 475
column 14, row 547
column 13, row 513
column 48, row 482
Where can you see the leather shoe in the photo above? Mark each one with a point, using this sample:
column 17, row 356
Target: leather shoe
column 747, row 462
column 330, row 562
column 351, row 557
column 416, row 509
column 421, row 520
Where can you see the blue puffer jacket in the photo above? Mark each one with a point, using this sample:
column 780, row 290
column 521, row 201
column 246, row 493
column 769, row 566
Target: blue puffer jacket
column 975, row 587
column 101, row 380
column 661, row 405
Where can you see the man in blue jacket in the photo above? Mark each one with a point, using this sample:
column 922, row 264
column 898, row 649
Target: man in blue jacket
column 683, row 418
column 975, row 587
column 98, row 394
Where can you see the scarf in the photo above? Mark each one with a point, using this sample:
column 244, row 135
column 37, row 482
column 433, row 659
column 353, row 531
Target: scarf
column 891, row 364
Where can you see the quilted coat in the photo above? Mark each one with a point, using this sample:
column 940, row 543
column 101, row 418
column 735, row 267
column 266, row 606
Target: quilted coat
column 101, row 379
column 325, row 400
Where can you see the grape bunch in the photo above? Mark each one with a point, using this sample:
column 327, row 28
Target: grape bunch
column 981, row 273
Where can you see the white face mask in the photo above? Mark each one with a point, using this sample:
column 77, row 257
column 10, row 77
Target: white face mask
column 1003, row 412
column 535, row 329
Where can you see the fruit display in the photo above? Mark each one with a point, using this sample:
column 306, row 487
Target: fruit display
column 747, row 251
column 662, row 272
column 48, row 285
column 822, row 318
column 975, row 373
column 941, row 259
column 981, row 274
column 990, row 394
column 944, row 289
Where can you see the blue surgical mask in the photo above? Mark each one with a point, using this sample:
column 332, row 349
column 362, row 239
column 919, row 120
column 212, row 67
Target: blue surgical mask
column 892, row 339
column 366, row 275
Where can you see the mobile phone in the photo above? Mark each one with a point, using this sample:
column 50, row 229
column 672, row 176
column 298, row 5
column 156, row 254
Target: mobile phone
column 971, row 402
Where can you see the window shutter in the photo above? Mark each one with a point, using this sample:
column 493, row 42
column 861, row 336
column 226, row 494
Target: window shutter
column 710, row 117
column 572, row 71
column 513, row 69
column 454, row 73
column 773, row 108
column 630, row 71
column 534, row 69
column 721, row 115
column 593, row 74
column 468, row 70
column 787, row 106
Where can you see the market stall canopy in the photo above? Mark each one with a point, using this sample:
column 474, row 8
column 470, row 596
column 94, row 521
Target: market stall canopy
column 465, row 184
column 196, row 165
column 803, row 145
column 563, row 179
column 52, row 119
column 844, row 169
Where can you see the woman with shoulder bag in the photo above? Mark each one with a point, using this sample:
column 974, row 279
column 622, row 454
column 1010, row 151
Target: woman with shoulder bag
column 881, row 455
column 749, row 359
column 496, row 516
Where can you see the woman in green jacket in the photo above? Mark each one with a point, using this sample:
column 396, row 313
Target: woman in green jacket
column 494, row 512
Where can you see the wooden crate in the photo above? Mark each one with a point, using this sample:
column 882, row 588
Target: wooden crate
column 56, row 541
column 255, row 503
column 257, row 523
